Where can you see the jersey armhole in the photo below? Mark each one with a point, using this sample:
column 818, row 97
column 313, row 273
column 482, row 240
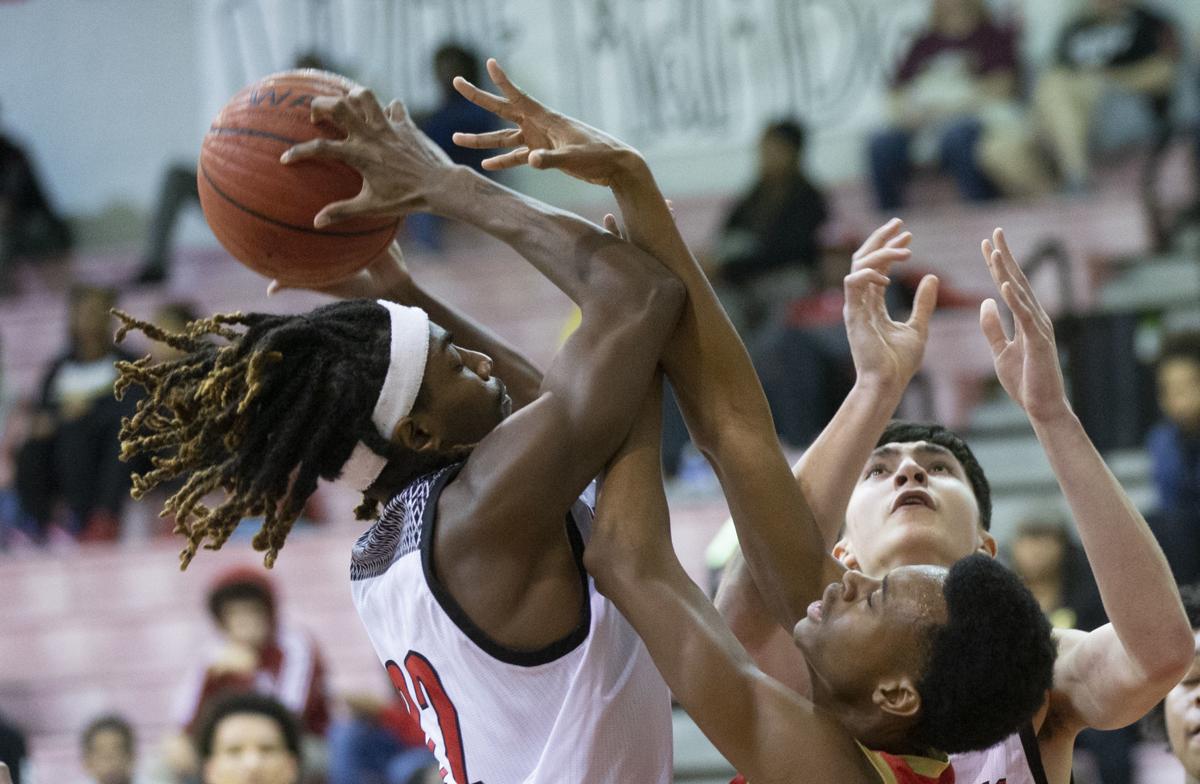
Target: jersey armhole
column 458, row 615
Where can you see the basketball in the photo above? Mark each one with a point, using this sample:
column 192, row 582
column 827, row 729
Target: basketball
column 261, row 210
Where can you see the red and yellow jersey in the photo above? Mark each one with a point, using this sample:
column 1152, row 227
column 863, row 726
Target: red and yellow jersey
column 903, row 769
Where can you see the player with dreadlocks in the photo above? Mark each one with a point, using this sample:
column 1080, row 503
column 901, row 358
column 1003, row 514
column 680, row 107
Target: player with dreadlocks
column 470, row 582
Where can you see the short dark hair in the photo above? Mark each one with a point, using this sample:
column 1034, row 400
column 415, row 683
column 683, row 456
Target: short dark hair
column 239, row 588
column 903, row 432
column 456, row 59
column 1180, row 345
column 110, row 722
column 990, row 666
column 251, row 703
column 789, row 130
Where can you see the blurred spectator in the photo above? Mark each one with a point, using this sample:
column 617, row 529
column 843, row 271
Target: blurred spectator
column 73, row 451
column 769, row 247
column 1180, row 711
column 379, row 742
column 952, row 101
column 13, row 749
column 109, row 751
column 453, row 114
column 1111, row 84
column 29, row 225
column 256, row 654
column 1174, row 446
column 249, row 738
column 1056, row 571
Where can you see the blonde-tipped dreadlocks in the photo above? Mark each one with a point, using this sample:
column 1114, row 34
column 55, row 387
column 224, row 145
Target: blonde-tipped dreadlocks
column 260, row 416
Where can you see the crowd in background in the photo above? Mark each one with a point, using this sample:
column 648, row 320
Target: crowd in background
column 960, row 101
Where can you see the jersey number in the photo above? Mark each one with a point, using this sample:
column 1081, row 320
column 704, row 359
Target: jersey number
column 427, row 686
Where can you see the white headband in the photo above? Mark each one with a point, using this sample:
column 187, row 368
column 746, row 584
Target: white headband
column 406, row 369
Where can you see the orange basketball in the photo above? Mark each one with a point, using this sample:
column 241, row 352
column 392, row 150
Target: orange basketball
column 261, row 210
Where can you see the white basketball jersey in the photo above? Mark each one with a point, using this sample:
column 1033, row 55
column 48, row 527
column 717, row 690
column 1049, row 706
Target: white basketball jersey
column 1015, row 760
column 590, row 708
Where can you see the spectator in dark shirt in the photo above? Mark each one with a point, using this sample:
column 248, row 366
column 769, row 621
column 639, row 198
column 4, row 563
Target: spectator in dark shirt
column 13, row 749
column 769, row 247
column 951, row 99
column 73, row 454
column 29, row 225
column 1115, row 69
column 1174, row 446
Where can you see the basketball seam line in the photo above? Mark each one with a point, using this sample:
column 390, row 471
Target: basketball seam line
column 226, row 131
column 282, row 224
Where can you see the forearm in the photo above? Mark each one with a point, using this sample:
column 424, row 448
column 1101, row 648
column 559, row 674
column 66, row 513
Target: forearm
column 831, row 467
column 1136, row 586
column 1154, row 75
column 567, row 249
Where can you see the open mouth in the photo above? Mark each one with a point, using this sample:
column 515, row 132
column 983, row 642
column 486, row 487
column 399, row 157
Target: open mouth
column 913, row 498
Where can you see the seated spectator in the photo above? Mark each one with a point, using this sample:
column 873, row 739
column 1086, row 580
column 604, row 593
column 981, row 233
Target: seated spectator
column 29, row 225
column 1111, row 83
column 769, row 248
column 952, row 97
column 379, row 742
column 1174, row 446
column 73, row 453
column 13, row 750
column 109, row 751
column 453, row 114
column 256, row 654
column 249, row 738
column 1178, row 712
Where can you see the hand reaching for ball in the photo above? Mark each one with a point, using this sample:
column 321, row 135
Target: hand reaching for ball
column 400, row 165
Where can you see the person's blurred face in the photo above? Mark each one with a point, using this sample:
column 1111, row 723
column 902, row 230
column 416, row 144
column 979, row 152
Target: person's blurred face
column 777, row 157
column 956, row 17
column 108, row 759
column 249, row 748
column 1108, row 7
column 91, row 324
column 912, row 505
column 1182, row 712
column 247, row 622
column 1037, row 556
column 1179, row 392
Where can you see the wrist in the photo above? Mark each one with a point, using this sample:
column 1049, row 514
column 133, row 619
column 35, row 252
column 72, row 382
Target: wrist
column 451, row 187
column 880, row 388
column 630, row 169
column 1055, row 415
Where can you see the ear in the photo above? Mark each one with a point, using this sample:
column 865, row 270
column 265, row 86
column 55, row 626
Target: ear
column 897, row 696
column 987, row 544
column 411, row 434
column 845, row 554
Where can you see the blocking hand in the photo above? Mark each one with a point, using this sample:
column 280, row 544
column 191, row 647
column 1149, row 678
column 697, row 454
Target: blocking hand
column 1027, row 364
column 543, row 138
column 884, row 350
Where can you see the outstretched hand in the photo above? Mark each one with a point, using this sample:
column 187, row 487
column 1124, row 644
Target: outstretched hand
column 1027, row 364
column 400, row 165
column 885, row 351
column 543, row 138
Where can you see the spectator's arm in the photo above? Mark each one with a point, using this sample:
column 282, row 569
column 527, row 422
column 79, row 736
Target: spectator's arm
column 1154, row 75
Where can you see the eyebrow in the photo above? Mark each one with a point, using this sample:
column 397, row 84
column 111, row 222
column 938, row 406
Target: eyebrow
column 923, row 449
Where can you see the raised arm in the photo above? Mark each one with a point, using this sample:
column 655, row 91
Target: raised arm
column 509, row 499
column 886, row 354
column 765, row 730
column 710, row 370
column 1111, row 676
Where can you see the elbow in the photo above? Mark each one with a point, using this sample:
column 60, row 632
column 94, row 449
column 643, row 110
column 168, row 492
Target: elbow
column 1178, row 654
